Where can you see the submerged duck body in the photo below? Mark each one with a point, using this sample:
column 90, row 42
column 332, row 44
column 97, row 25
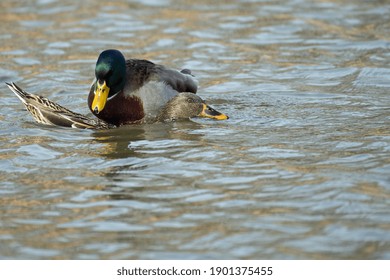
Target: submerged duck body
column 137, row 91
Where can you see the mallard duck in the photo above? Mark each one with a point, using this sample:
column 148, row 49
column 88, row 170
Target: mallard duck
column 187, row 105
column 137, row 91
column 47, row 112
column 183, row 106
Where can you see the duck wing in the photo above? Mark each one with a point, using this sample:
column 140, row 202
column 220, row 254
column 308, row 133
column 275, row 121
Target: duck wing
column 141, row 71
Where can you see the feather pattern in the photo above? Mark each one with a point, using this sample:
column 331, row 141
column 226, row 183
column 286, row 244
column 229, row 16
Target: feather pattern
column 47, row 112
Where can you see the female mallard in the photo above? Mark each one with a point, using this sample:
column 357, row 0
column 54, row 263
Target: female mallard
column 137, row 91
column 187, row 105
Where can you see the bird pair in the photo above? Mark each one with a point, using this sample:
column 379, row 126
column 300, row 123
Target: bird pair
column 126, row 92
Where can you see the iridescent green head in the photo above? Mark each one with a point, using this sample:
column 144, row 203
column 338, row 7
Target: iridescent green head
column 110, row 72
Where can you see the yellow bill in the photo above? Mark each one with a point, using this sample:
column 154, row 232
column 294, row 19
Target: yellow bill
column 101, row 95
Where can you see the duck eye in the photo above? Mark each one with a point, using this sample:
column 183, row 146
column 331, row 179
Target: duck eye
column 190, row 100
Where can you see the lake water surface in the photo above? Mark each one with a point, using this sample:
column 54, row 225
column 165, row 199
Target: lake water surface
column 301, row 170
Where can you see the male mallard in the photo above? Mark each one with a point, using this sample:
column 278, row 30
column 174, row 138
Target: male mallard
column 47, row 112
column 137, row 91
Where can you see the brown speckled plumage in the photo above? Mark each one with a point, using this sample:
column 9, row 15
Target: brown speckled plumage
column 47, row 112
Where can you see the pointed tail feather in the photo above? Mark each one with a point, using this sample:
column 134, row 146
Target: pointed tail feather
column 48, row 112
column 21, row 94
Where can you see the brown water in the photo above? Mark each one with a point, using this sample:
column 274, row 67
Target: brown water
column 301, row 170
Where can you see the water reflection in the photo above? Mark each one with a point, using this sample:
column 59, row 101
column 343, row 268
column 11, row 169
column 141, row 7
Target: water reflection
column 123, row 142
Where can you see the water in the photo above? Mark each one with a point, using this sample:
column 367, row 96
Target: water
column 301, row 170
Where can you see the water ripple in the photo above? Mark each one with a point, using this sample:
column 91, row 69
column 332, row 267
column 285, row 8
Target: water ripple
column 299, row 171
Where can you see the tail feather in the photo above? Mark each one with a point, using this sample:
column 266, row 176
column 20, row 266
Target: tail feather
column 21, row 94
column 48, row 112
column 36, row 100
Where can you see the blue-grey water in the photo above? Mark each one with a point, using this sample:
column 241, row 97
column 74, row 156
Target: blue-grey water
column 301, row 170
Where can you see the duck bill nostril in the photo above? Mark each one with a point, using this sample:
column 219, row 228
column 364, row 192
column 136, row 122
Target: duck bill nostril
column 100, row 98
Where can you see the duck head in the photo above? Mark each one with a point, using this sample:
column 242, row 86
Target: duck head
column 188, row 105
column 110, row 72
